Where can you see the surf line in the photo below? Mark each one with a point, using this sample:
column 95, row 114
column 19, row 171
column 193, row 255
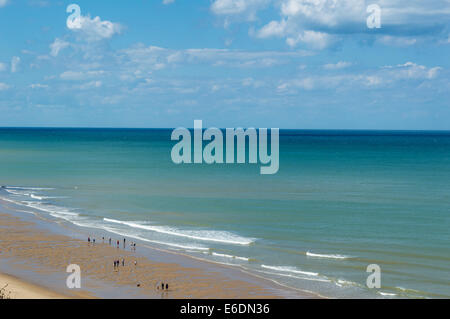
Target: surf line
column 235, row 140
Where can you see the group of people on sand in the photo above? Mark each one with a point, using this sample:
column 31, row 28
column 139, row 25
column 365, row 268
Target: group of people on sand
column 118, row 262
column 166, row 285
column 132, row 244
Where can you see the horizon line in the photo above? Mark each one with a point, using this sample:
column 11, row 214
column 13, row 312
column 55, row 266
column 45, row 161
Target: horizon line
column 191, row 128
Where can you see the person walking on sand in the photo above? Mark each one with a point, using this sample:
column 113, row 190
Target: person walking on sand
column 118, row 244
column 123, row 262
column 110, row 241
column 124, row 243
column 89, row 239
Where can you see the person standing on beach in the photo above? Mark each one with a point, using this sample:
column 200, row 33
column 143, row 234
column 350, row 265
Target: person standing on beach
column 118, row 244
column 89, row 239
column 124, row 243
column 123, row 262
column 110, row 241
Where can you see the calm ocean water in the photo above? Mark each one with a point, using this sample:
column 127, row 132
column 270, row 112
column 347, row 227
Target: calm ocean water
column 341, row 200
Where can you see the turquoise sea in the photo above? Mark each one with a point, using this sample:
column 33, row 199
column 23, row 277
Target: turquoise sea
column 341, row 200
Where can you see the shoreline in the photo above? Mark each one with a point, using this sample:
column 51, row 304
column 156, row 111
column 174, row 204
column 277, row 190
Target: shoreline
column 189, row 277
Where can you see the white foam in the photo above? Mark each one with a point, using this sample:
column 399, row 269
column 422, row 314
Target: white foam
column 44, row 197
column 326, row 256
column 30, row 188
column 203, row 235
column 318, row 279
column 230, row 256
column 154, row 241
column 386, row 294
column 52, row 209
column 290, row 270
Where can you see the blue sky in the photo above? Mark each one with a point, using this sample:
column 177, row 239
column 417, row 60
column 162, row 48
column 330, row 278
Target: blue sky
column 231, row 63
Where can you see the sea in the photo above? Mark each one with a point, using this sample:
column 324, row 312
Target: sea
column 341, row 202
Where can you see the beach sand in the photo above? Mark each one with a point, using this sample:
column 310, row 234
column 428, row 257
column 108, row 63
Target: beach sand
column 14, row 288
column 37, row 251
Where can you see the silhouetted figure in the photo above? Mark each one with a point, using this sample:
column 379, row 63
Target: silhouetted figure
column 167, row 286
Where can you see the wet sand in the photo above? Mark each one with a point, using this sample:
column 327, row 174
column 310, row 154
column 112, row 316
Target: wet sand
column 39, row 253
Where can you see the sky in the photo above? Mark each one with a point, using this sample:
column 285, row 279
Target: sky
column 299, row 64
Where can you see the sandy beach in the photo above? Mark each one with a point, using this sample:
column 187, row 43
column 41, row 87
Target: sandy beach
column 44, row 255
column 14, row 288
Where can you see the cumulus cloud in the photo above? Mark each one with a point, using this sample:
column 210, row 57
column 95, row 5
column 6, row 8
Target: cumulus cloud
column 15, row 61
column 94, row 29
column 320, row 23
column 151, row 58
column 38, row 86
column 313, row 39
column 382, row 77
column 337, row 66
column 80, row 75
column 245, row 8
column 57, row 46
column 410, row 70
column 397, row 41
column 4, row 86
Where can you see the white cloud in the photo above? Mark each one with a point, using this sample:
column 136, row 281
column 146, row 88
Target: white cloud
column 313, row 39
column 3, row 3
column 91, row 85
column 168, row 1
column 320, row 22
column 57, row 46
column 38, row 86
column 78, row 75
column 149, row 59
column 15, row 61
column 246, row 8
column 273, row 28
column 382, row 77
column 397, row 41
column 4, row 86
column 3, row 67
column 94, row 29
column 337, row 66
column 411, row 70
